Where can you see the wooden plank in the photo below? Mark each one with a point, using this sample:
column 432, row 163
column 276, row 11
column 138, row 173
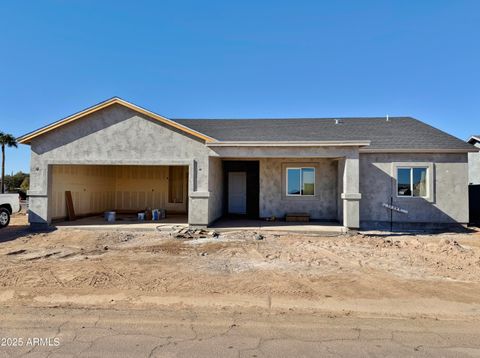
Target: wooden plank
column 297, row 217
column 70, row 208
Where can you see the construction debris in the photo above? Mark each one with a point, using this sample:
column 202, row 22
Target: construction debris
column 191, row 234
column 259, row 236
column 186, row 233
column 127, row 237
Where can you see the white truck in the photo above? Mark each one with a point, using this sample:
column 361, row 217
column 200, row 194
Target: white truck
column 9, row 204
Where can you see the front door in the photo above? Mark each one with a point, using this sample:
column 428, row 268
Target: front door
column 237, row 192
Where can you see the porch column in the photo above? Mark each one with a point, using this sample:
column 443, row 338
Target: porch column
column 199, row 195
column 351, row 192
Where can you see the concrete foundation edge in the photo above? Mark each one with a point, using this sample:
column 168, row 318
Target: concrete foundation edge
column 411, row 226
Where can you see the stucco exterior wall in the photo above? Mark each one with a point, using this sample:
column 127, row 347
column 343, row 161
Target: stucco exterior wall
column 273, row 198
column 285, row 152
column 117, row 135
column 447, row 204
column 474, row 167
column 340, row 173
column 216, row 189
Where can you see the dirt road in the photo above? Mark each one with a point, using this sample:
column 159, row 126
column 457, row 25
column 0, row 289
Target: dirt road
column 227, row 333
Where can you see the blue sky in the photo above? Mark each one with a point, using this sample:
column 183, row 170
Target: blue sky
column 240, row 59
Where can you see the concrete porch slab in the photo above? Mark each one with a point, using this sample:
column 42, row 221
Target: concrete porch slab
column 262, row 225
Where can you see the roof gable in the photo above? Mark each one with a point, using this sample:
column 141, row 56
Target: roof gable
column 27, row 138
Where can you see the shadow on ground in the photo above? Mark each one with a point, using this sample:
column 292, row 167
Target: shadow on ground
column 19, row 228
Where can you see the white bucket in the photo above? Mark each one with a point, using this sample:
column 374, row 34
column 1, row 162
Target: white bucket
column 110, row 216
column 141, row 216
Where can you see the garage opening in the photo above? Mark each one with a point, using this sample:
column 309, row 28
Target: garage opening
column 125, row 189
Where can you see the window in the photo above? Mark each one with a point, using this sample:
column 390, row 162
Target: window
column 412, row 182
column 300, row 181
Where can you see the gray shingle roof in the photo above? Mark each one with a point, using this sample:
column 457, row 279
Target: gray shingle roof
column 397, row 133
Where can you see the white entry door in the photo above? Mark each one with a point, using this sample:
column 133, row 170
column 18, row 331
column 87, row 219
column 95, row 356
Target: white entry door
column 237, row 192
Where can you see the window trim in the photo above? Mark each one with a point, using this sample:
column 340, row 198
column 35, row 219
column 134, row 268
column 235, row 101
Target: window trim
column 427, row 181
column 301, row 182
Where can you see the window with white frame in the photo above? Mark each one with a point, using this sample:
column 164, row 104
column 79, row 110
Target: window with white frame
column 300, row 181
column 412, row 181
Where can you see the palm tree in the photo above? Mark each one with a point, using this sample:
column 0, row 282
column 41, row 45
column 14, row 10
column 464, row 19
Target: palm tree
column 6, row 140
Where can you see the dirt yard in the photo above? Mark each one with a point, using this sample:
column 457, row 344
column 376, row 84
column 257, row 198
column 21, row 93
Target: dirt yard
column 430, row 275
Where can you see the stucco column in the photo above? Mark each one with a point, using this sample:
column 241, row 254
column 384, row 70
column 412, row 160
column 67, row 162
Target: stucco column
column 40, row 187
column 351, row 192
column 198, row 194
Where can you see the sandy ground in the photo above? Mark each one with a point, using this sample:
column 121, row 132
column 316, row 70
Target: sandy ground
column 404, row 276
column 150, row 294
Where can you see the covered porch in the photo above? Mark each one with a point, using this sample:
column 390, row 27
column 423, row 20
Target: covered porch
column 262, row 184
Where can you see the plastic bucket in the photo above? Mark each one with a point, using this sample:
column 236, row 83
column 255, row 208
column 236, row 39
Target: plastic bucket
column 141, row 216
column 162, row 214
column 110, row 216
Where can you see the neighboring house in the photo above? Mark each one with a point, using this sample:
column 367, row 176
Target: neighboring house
column 116, row 155
column 474, row 161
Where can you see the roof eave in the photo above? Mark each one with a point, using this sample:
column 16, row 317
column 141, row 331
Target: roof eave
column 415, row 150
column 346, row 143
